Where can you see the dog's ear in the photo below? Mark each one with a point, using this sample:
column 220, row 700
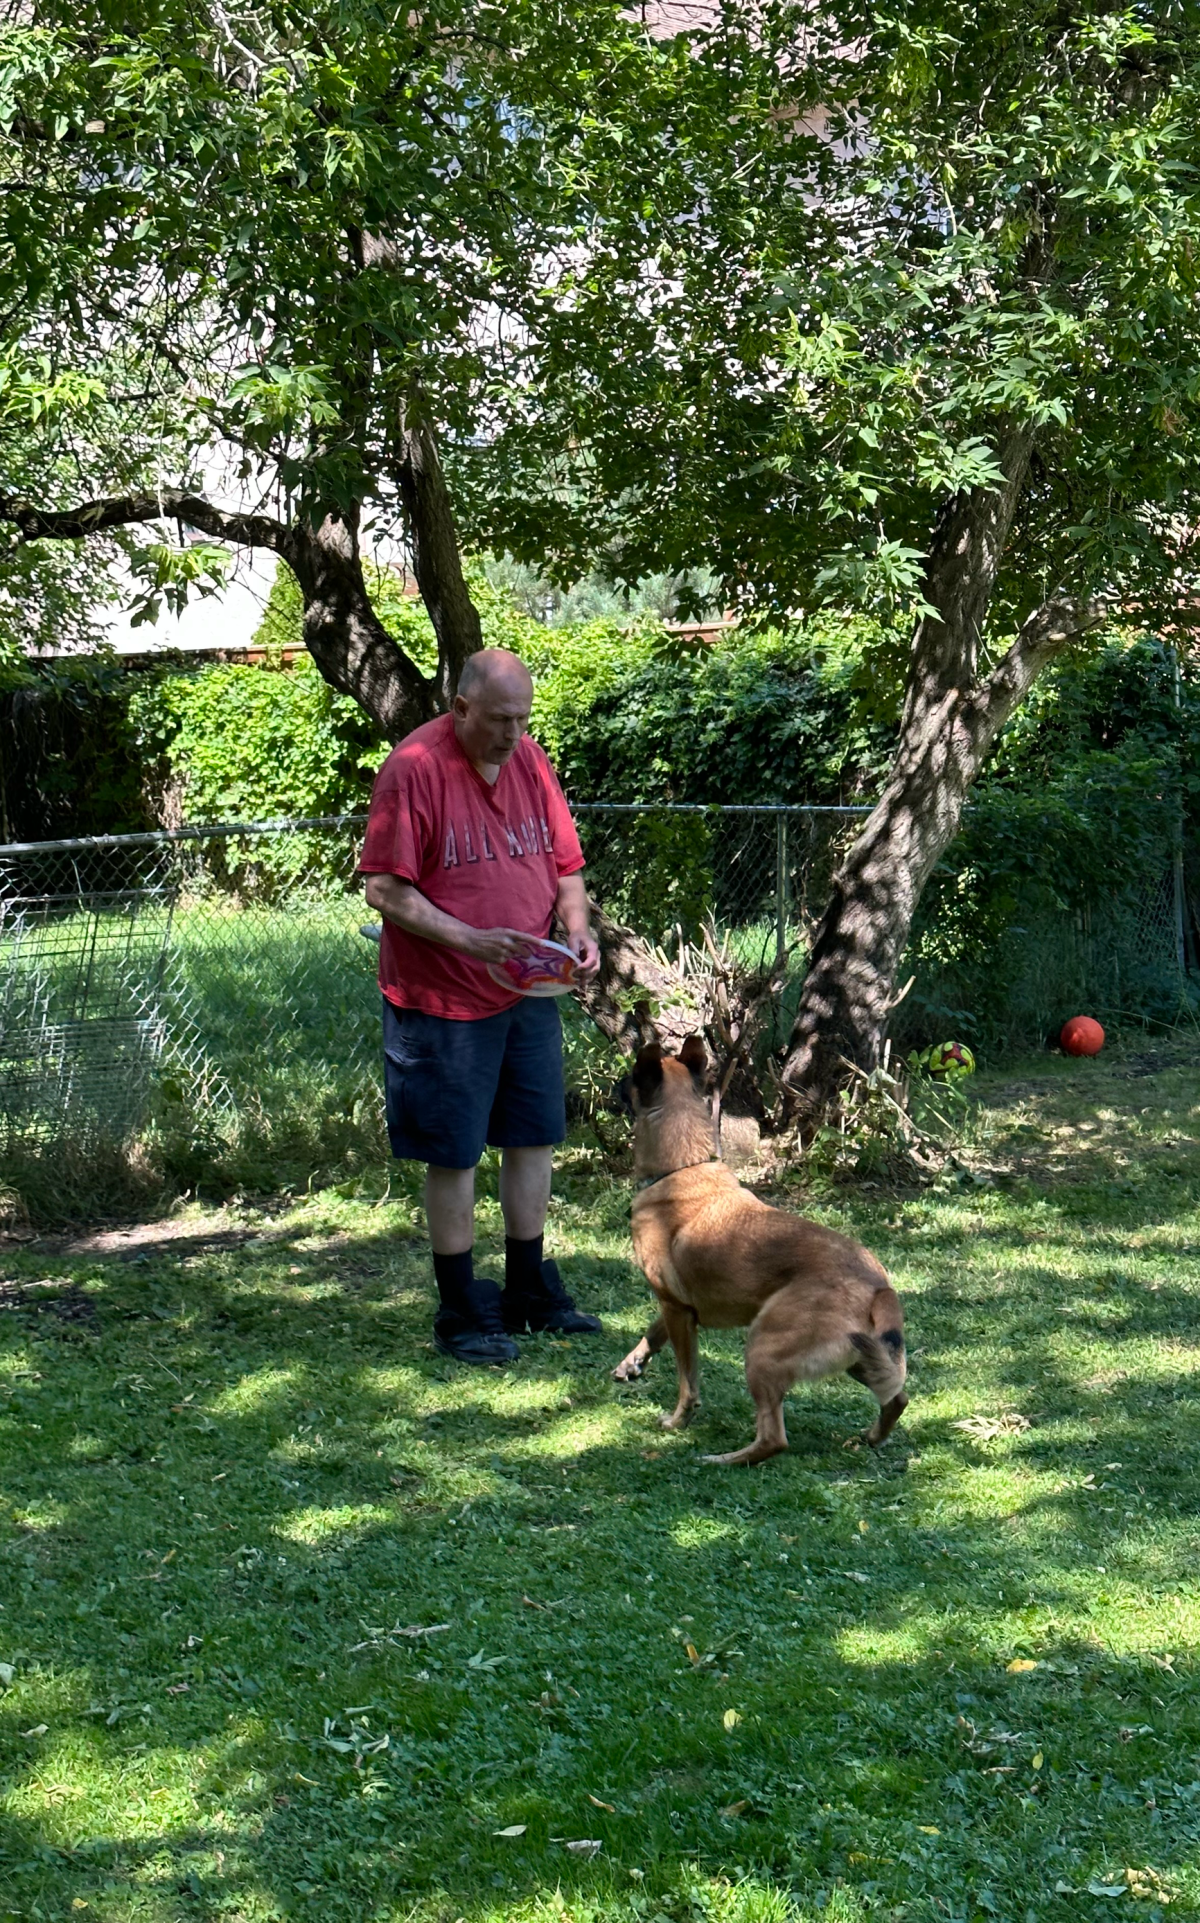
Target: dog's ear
column 694, row 1057
column 648, row 1071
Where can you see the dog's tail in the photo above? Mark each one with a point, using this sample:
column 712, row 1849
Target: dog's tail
column 883, row 1364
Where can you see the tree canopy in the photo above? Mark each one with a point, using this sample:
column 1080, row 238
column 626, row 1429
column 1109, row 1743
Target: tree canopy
column 980, row 255
column 261, row 263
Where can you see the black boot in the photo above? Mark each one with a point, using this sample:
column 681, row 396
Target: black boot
column 469, row 1325
column 534, row 1297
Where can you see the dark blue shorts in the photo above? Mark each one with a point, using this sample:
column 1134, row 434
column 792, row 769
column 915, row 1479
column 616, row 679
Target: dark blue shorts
column 455, row 1087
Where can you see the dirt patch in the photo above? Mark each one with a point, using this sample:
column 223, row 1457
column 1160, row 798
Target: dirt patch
column 65, row 1301
column 181, row 1234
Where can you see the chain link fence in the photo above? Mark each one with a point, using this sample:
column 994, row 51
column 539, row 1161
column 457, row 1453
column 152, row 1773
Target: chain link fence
column 223, row 972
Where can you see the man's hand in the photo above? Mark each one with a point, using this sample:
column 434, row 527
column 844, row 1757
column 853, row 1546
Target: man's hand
column 586, row 950
column 574, row 912
column 498, row 944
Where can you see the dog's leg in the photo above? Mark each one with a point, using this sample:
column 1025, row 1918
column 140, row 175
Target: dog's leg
column 680, row 1325
column 889, row 1415
column 882, row 1368
column 769, row 1376
column 654, row 1339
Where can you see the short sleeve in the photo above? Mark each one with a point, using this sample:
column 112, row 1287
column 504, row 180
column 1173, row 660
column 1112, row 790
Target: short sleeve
column 398, row 825
column 568, row 855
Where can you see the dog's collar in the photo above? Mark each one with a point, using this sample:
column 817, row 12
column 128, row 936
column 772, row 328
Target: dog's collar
column 648, row 1181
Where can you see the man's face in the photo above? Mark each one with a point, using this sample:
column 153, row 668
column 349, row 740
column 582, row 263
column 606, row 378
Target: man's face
column 491, row 719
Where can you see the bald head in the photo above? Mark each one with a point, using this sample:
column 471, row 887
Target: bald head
column 491, row 669
column 491, row 708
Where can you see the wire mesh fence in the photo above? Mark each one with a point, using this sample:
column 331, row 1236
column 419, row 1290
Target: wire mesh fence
column 224, row 970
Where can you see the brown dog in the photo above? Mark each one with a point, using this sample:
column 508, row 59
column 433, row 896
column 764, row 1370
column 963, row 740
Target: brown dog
column 716, row 1257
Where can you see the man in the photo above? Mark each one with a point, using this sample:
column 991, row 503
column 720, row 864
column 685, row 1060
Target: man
column 470, row 850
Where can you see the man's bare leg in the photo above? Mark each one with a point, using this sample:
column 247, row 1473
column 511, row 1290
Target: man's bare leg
column 525, row 1191
column 450, row 1209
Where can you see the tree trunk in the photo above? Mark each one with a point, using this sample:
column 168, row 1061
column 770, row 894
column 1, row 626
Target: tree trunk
column 435, row 554
column 343, row 633
column 951, row 718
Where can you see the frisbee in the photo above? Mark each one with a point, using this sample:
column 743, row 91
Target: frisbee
column 548, row 969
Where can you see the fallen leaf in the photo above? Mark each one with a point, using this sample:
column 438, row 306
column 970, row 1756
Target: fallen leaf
column 731, row 1719
column 1148, row 1885
column 7, row 1672
column 693, row 1654
column 177, row 1689
column 610, row 1807
column 530, row 1604
column 735, row 1809
column 651, row 1455
column 1021, row 1665
column 514, row 1829
column 857, row 1856
column 586, row 1846
column 991, row 1428
column 304, row 1779
column 1106, row 1889
column 927, row 1829
column 39, row 1729
column 1037, row 1760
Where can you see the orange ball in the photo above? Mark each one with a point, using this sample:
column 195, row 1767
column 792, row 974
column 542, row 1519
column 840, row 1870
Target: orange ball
column 1082, row 1036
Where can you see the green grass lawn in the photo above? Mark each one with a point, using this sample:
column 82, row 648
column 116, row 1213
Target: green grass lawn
column 301, row 1621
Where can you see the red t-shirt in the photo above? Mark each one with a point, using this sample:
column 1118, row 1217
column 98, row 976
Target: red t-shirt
column 491, row 856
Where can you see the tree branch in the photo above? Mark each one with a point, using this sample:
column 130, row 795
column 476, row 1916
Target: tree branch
column 960, row 575
column 170, row 504
column 437, row 562
column 1043, row 635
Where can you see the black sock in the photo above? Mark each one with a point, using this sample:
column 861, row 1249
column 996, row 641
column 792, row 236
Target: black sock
column 454, row 1275
column 523, row 1265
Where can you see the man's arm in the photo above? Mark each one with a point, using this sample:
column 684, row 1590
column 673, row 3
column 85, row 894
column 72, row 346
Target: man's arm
column 400, row 902
column 573, row 911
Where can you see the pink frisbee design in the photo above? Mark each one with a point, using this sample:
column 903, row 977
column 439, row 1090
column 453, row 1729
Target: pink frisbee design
column 548, row 969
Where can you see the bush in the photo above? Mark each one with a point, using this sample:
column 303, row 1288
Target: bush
column 636, row 714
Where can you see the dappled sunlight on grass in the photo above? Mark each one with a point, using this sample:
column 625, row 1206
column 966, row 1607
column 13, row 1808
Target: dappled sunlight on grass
column 256, row 1393
column 318, row 1525
column 320, row 1626
column 696, row 1532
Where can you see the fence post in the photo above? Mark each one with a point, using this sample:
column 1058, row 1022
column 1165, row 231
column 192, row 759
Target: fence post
column 1183, row 945
column 781, row 886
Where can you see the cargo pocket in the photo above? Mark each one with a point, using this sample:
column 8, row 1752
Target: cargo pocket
column 412, row 1084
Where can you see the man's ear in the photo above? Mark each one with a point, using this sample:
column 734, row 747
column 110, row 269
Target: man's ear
column 648, row 1071
column 694, row 1057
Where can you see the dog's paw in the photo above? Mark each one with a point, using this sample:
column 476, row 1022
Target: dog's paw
column 627, row 1372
